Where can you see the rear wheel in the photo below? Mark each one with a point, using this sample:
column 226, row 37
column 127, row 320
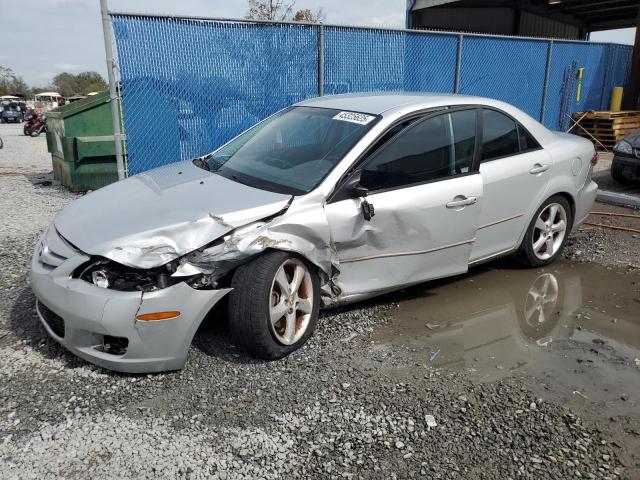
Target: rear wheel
column 547, row 232
column 274, row 304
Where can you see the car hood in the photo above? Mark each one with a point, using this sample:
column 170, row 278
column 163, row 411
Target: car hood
column 633, row 139
column 152, row 218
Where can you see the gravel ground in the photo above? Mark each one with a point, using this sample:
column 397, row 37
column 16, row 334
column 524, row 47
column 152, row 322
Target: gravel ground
column 341, row 407
column 604, row 246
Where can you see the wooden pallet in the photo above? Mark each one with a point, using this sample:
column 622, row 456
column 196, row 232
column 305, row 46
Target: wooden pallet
column 607, row 127
column 605, row 115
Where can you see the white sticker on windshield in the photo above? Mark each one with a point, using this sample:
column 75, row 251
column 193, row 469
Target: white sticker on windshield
column 354, row 117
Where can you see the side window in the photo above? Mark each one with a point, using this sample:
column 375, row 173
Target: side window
column 389, row 134
column 431, row 149
column 499, row 135
column 527, row 142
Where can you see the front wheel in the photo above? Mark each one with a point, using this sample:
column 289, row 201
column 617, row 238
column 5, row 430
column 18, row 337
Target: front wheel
column 274, row 304
column 26, row 131
column 617, row 172
column 547, row 233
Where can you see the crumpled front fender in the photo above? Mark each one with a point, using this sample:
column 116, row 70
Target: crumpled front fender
column 303, row 230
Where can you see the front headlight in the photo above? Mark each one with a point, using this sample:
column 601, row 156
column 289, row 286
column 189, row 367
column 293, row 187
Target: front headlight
column 105, row 273
column 100, row 278
column 623, row 147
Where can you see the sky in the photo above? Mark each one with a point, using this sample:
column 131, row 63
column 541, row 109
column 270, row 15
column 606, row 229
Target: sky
column 41, row 38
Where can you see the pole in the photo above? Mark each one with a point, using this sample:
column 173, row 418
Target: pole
column 631, row 99
column 545, row 88
column 321, row 60
column 113, row 91
column 456, row 88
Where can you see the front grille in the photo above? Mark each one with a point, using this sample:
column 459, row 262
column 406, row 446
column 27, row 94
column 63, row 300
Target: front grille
column 55, row 321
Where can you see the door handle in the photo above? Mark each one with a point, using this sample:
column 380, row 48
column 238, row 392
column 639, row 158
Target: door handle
column 538, row 168
column 463, row 202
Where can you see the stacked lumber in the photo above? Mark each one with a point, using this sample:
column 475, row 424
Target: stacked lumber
column 607, row 127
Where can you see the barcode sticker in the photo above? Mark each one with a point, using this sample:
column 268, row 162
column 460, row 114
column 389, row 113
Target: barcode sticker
column 354, row 117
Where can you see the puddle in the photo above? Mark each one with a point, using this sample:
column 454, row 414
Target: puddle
column 500, row 320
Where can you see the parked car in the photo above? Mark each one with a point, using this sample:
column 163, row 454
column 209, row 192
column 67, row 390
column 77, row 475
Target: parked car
column 9, row 114
column 329, row 201
column 626, row 158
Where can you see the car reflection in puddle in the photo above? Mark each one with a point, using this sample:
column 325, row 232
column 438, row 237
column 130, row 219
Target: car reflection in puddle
column 502, row 319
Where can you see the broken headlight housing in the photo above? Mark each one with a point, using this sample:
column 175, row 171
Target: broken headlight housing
column 623, row 147
column 105, row 273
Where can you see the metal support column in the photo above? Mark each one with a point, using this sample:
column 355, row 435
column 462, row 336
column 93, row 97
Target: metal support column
column 113, row 90
column 456, row 87
column 545, row 88
column 631, row 98
column 321, row 60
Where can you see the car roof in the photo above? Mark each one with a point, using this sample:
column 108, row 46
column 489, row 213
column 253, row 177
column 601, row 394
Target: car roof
column 380, row 102
column 401, row 103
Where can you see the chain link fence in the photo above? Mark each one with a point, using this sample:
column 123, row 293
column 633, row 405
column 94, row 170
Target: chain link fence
column 191, row 84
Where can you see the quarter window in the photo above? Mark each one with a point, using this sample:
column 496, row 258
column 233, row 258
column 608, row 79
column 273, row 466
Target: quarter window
column 499, row 135
column 527, row 142
column 432, row 149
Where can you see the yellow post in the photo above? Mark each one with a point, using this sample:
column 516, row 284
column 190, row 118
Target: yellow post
column 616, row 99
column 579, row 90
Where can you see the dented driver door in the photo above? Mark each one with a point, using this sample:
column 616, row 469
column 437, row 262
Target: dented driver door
column 426, row 200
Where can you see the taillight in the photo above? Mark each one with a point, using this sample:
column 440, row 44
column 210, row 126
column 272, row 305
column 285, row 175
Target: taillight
column 594, row 159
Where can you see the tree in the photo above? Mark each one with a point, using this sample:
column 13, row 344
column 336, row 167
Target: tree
column 68, row 84
column 307, row 15
column 37, row 90
column 10, row 83
column 280, row 11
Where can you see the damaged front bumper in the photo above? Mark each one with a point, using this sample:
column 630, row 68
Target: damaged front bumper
column 88, row 320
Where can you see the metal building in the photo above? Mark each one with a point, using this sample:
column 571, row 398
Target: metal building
column 562, row 19
column 568, row 19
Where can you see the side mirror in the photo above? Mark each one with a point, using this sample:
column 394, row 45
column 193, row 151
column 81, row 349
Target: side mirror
column 357, row 190
column 353, row 188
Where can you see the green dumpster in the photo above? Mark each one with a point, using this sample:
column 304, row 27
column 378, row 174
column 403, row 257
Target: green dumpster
column 80, row 140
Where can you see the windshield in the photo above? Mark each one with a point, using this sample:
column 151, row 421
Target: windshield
column 292, row 151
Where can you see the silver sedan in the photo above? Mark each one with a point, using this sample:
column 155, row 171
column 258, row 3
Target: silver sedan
column 332, row 200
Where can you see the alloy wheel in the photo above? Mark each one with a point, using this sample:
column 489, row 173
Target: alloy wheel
column 290, row 302
column 541, row 300
column 549, row 231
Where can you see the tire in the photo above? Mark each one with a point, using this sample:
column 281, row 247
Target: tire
column 255, row 289
column 26, row 131
column 1, row 143
column 617, row 170
column 539, row 310
column 548, row 250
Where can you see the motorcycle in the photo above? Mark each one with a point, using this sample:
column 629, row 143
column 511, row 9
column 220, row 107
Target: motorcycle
column 35, row 125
